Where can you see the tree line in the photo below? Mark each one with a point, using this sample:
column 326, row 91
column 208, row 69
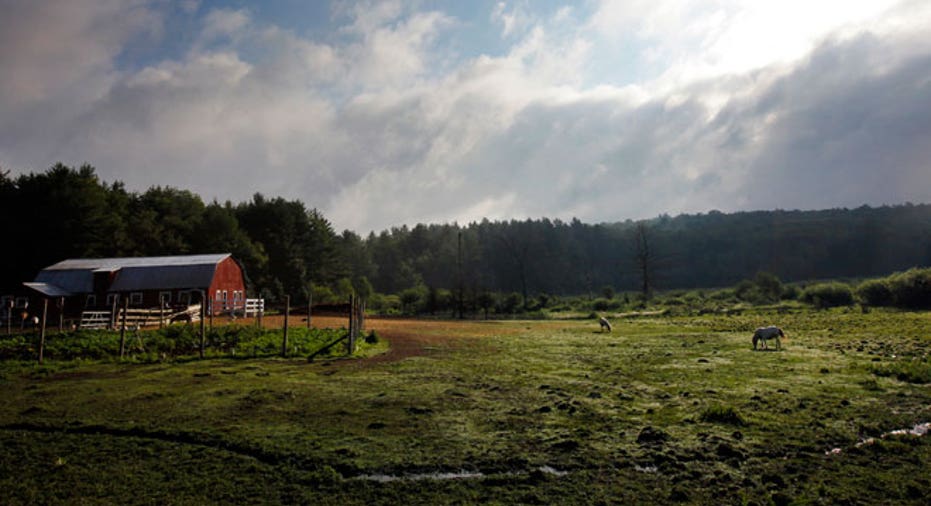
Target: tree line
column 287, row 248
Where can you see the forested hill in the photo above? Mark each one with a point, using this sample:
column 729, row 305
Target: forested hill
column 287, row 247
column 704, row 250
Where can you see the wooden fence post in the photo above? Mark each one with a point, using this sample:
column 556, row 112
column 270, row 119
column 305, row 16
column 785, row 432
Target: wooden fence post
column 42, row 332
column 260, row 314
column 310, row 308
column 284, row 339
column 123, row 328
column 113, row 312
column 203, row 323
column 351, row 342
column 61, row 315
column 362, row 316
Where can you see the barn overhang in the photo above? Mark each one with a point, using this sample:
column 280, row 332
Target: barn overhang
column 48, row 289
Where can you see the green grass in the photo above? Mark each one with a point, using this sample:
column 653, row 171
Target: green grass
column 661, row 410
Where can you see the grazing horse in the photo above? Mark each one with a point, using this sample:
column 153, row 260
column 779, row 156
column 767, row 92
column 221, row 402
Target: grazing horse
column 605, row 324
column 763, row 333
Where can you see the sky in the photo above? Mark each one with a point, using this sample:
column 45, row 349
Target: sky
column 385, row 113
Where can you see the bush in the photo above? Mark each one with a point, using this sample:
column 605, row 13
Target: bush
column 605, row 304
column 825, row 295
column 510, row 303
column 790, row 292
column 875, row 292
column 911, row 289
column 607, row 292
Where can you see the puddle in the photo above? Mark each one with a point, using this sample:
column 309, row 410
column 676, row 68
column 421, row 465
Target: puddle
column 457, row 475
column 918, row 430
column 387, row 478
column 552, row 471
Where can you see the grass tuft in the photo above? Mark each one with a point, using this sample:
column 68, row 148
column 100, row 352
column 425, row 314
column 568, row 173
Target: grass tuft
column 722, row 414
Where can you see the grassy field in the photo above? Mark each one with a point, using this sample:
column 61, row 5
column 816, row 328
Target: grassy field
column 661, row 410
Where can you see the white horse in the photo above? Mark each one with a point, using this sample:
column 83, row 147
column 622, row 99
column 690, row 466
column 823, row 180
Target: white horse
column 605, row 324
column 763, row 333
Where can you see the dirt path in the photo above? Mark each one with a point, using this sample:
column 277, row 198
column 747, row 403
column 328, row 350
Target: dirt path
column 407, row 337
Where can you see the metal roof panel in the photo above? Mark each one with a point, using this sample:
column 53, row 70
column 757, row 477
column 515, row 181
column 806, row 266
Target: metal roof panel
column 72, row 280
column 163, row 277
column 112, row 264
column 48, row 290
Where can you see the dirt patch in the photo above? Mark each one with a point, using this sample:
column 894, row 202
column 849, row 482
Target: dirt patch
column 409, row 337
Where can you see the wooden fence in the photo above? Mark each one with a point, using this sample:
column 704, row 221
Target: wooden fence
column 246, row 308
column 138, row 317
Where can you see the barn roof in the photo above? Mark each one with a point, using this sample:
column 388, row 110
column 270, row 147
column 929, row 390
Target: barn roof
column 112, row 264
column 72, row 280
column 48, row 290
column 134, row 273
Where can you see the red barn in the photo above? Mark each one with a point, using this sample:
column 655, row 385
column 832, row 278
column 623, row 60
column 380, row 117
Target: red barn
column 147, row 282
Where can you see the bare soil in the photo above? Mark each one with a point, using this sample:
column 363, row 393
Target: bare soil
column 407, row 337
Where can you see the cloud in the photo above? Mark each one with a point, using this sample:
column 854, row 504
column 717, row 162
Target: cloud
column 692, row 40
column 846, row 126
column 58, row 58
column 376, row 127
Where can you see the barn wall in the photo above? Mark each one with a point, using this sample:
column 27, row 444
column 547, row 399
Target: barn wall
column 228, row 277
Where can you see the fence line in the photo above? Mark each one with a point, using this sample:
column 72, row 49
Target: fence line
column 138, row 317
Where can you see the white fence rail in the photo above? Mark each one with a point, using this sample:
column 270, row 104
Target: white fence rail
column 245, row 308
column 95, row 319
column 254, row 307
column 138, row 317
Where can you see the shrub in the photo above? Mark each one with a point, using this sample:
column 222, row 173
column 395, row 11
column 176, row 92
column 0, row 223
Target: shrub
column 605, row 304
column 607, row 292
column 510, row 303
column 790, row 292
column 824, row 295
column 875, row 292
column 911, row 289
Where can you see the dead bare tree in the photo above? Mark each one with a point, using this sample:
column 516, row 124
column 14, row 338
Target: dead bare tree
column 645, row 258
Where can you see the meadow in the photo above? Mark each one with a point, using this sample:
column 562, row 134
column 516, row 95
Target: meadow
column 663, row 410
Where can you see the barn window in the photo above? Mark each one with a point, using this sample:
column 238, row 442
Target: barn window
column 91, row 301
column 225, row 296
column 237, row 295
column 112, row 298
column 135, row 298
column 184, row 298
column 164, row 297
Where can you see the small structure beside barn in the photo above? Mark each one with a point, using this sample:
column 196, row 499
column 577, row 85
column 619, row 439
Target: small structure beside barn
column 76, row 286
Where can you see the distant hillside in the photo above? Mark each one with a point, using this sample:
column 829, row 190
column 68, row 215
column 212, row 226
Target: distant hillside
column 687, row 251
